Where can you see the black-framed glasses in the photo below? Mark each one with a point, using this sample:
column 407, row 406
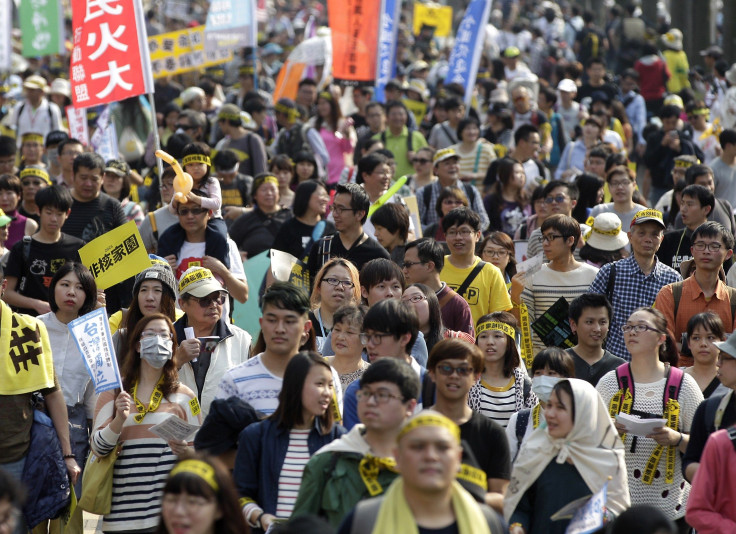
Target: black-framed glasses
column 337, row 210
column 559, row 199
column 376, row 339
column 637, row 328
column 549, row 238
column 410, row 264
column 494, row 253
column 213, row 298
column 194, row 211
column 446, row 369
column 700, row 246
column 381, row 396
column 335, row 282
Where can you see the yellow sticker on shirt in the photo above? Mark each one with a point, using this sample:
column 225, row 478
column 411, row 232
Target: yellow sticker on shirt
column 194, row 405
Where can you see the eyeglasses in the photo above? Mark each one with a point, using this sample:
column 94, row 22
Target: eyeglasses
column 637, row 328
column 496, row 253
column 194, row 211
column 414, row 298
column 723, row 357
column 549, row 238
column 700, row 246
column 446, row 369
column 613, row 185
column 216, row 298
column 151, row 333
column 335, row 282
column 421, row 161
column 382, row 397
column 185, row 127
column 337, row 210
column 559, row 199
column 465, row 232
column 376, row 339
column 410, row 264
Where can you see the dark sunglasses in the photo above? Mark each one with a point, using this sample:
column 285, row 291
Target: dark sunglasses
column 206, row 302
column 447, row 370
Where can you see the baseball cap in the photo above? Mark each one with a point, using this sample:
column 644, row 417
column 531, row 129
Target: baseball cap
column 511, row 52
column 648, row 215
column 118, row 167
column 567, row 85
column 713, row 51
column 199, row 282
column 442, row 155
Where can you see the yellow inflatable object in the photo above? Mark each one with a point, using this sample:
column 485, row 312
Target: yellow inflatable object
column 182, row 182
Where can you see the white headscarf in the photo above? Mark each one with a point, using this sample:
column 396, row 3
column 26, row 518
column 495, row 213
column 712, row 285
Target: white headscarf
column 593, row 446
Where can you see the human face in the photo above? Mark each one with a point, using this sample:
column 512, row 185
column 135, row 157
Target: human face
column 377, row 181
column 189, row 514
column 461, row 239
column 414, row 270
column 518, row 177
column 422, row 163
column 31, row 185
column 646, row 342
column 385, row 345
column 376, row 118
column 197, row 170
column 197, row 315
column 323, row 108
column 52, row 219
column 727, row 370
column 414, row 297
column 284, row 177
column 645, row 238
column 66, row 158
column 380, row 418
column 591, row 132
column 7, row 163
column 708, row 259
column 346, row 340
column 31, row 152
column 9, row 200
column 706, row 180
column 316, row 393
column 456, row 386
column 304, row 170
column 669, row 124
column 284, row 331
column 344, row 216
column 496, row 254
column 456, row 115
column 318, row 201
column 267, row 197
column 306, row 95
column 385, row 289
column 596, row 166
column 621, row 187
column 564, row 207
column 428, row 459
column 530, row 147
column 167, row 190
column 558, row 414
column 555, row 245
column 448, row 170
column 591, row 327
column 112, row 183
column 521, row 99
column 332, row 297
column 596, row 73
column 149, row 297
column 87, row 184
column 69, row 294
column 397, row 118
column 693, row 214
column 627, row 84
column 702, row 347
column 493, row 343
column 450, row 203
column 385, row 238
column 193, row 218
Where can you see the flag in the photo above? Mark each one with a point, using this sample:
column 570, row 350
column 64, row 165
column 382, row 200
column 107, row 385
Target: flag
column 314, row 51
column 589, row 517
column 386, row 62
column 434, row 15
column 110, row 60
column 78, row 128
column 354, row 25
column 230, row 24
column 468, row 48
column 41, row 26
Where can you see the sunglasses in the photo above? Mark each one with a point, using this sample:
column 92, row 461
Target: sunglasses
column 216, row 298
column 421, row 161
column 447, row 370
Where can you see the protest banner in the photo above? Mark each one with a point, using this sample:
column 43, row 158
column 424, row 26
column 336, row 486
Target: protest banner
column 465, row 56
column 110, row 60
column 387, row 35
column 587, row 513
column 41, row 26
column 105, row 140
column 433, row 15
column 78, row 128
column 91, row 333
column 116, row 255
column 6, row 27
column 231, row 24
column 354, row 25
column 183, row 51
column 314, row 51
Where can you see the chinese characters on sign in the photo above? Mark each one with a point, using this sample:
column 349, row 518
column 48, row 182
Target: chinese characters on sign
column 91, row 332
column 355, row 28
column 78, row 128
column 41, row 24
column 183, row 51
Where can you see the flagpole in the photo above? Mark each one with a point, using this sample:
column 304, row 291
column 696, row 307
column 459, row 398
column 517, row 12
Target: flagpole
column 157, row 146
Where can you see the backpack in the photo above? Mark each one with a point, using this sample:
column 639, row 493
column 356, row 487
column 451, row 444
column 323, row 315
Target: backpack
column 294, row 140
column 677, row 295
column 675, row 376
column 469, row 192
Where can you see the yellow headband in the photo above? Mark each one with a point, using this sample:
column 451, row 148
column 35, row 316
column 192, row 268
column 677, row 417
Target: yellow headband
column 197, row 467
column 31, row 137
column 270, row 179
column 700, row 111
column 229, row 116
column 430, row 419
column 326, row 95
column 292, row 113
column 38, row 173
column 682, row 164
column 496, row 325
column 196, row 158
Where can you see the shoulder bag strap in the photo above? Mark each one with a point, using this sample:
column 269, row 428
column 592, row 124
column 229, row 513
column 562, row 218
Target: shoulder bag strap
column 469, row 280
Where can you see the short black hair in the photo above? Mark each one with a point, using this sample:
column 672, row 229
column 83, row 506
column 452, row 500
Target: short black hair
column 286, row 296
column 728, row 136
column 307, row 81
column 524, row 131
column 704, row 195
column 695, row 171
column 464, row 123
column 452, row 102
column 595, row 60
column 225, row 159
column 381, row 270
column 396, row 372
column 588, row 300
column 55, row 196
column 89, row 160
column 714, row 229
column 368, row 164
column 391, row 316
column 556, row 359
column 393, row 216
column 461, row 215
column 669, row 111
column 303, row 195
column 566, row 225
column 254, row 105
column 599, row 152
column 7, row 146
column 549, row 94
column 66, row 142
column 359, row 200
column 428, row 250
column 391, row 104
column 85, row 278
column 572, row 189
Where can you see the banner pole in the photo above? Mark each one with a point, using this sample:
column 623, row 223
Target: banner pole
column 157, row 144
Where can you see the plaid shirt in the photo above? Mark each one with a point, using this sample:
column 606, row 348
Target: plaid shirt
column 631, row 289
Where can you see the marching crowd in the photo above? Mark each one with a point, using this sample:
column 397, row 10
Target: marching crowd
column 492, row 293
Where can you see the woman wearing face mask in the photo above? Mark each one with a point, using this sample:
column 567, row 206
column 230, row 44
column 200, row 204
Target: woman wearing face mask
column 151, row 393
column 549, row 367
column 575, row 454
column 504, row 388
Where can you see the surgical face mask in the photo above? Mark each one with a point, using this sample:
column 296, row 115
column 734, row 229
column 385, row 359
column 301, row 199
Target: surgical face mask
column 542, row 386
column 156, row 350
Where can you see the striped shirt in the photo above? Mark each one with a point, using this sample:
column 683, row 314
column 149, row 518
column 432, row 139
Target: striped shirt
column 144, row 462
column 498, row 403
column 297, row 456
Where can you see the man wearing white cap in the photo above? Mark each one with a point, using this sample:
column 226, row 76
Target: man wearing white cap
column 36, row 114
column 568, row 109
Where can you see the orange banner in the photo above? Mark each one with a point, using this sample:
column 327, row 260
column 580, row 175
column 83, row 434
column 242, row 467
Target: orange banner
column 354, row 25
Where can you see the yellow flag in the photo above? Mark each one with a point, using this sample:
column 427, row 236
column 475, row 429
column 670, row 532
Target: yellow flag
column 435, row 15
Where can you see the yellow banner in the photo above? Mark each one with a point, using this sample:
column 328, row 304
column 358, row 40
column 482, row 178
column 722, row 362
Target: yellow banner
column 440, row 17
column 182, row 51
column 419, row 109
column 116, row 255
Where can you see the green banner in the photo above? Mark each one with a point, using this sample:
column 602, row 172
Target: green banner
column 41, row 24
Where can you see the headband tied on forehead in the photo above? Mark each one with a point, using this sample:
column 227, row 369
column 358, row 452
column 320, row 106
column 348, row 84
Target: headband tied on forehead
column 269, row 179
column 199, row 468
column 700, row 111
column 196, row 158
column 37, row 173
column 292, row 113
column 682, row 164
column 326, row 95
column 32, row 137
column 430, row 419
column 496, row 325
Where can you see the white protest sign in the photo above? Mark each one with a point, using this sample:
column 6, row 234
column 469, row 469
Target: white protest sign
column 91, row 332
column 174, row 428
column 78, row 127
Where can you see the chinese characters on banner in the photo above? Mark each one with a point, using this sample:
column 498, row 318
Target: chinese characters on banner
column 465, row 57
column 91, row 332
column 78, row 128
column 105, row 140
column 386, row 63
column 110, row 59
column 182, row 51
column 354, row 25
column 41, row 26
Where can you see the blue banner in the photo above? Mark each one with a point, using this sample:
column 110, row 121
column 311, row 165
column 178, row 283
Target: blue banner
column 386, row 64
column 231, row 24
column 465, row 57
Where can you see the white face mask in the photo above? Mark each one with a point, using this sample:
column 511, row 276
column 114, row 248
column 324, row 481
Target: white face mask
column 542, row 386
column 156, row 350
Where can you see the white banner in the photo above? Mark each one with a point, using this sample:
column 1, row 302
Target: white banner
column 105, row 140
column 6, row 49
column 91, row 332
column 78, row 128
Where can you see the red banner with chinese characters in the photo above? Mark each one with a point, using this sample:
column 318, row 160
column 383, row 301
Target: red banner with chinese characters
column 110, row 59
column 354, row 25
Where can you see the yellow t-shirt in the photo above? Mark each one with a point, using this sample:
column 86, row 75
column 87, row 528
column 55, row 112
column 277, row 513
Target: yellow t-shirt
column 486, row 294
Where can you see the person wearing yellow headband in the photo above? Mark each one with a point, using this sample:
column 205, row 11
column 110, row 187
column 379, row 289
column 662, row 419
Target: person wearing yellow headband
column 32, row 179
column 200, row 498
column 31, row 150
column 705, row 134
